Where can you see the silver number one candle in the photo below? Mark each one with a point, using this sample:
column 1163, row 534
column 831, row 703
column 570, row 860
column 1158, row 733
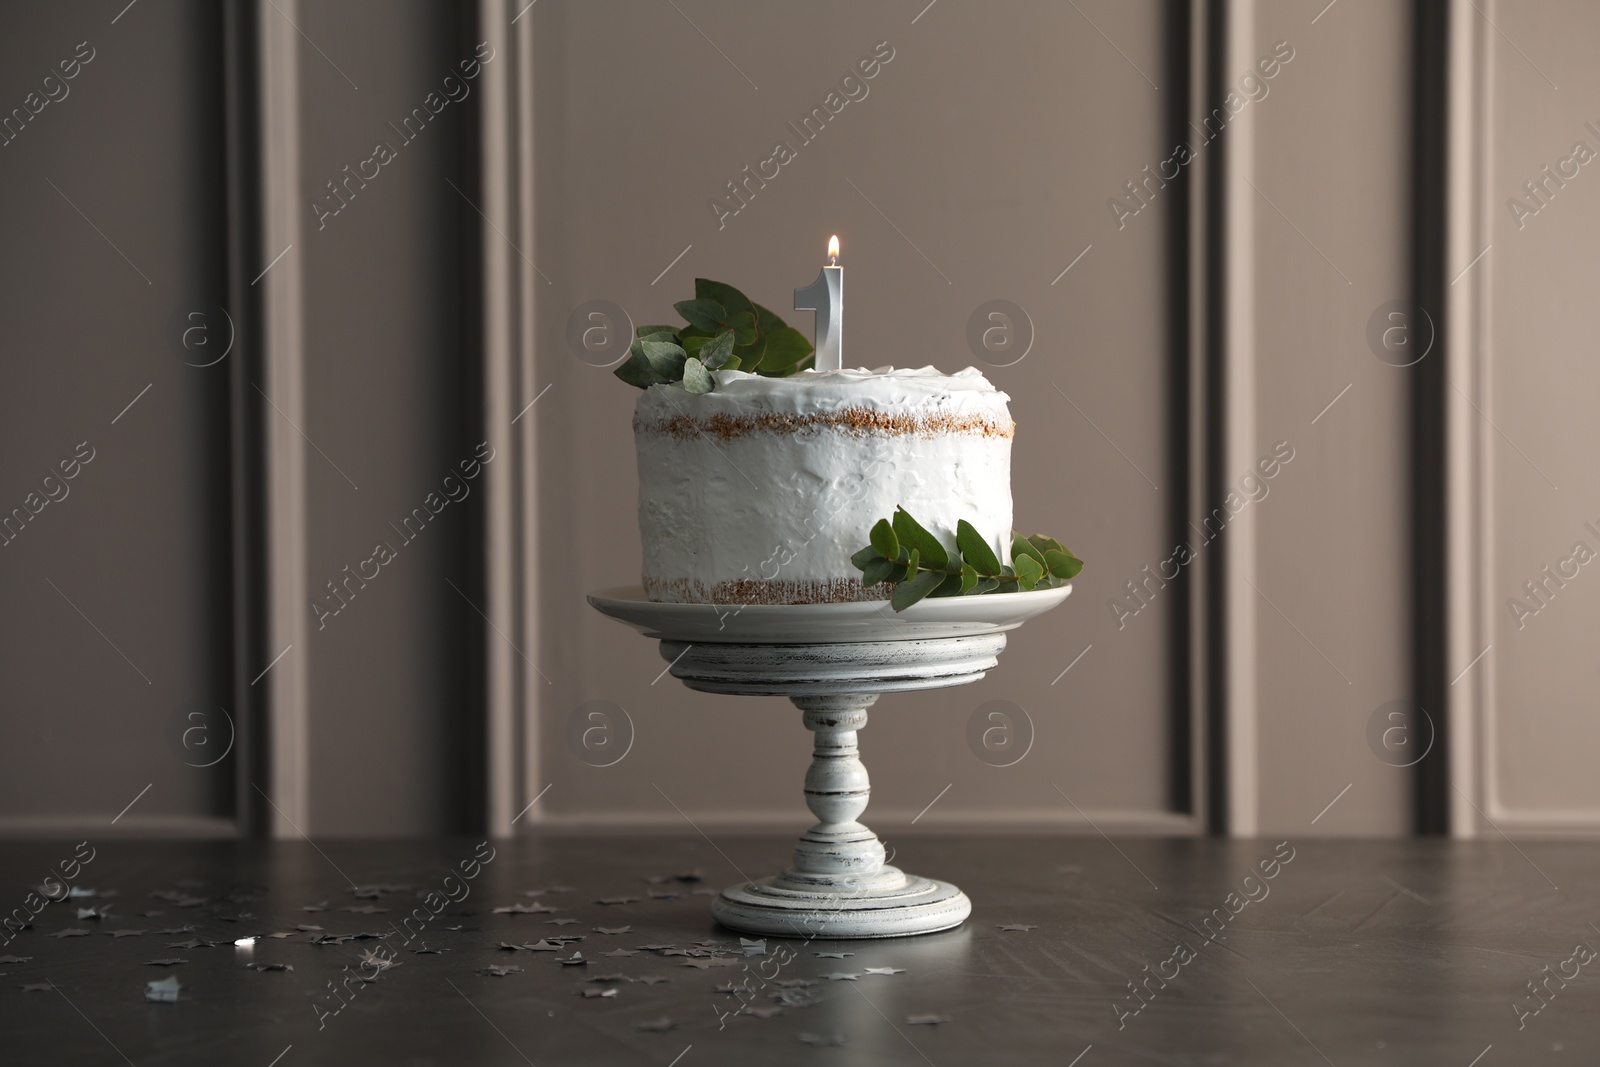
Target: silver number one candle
column 825, row 296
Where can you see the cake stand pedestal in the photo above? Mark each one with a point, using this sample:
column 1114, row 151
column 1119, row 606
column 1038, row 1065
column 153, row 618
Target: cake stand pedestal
column 833, row 661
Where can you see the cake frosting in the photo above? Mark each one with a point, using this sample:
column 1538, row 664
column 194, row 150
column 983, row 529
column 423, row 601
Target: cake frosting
column 761, row 490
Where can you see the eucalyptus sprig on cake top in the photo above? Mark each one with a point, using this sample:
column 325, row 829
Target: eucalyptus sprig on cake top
column 905, row 553
column 725, row 330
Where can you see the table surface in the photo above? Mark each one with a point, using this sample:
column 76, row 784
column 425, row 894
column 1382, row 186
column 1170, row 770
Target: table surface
column 1400, row 952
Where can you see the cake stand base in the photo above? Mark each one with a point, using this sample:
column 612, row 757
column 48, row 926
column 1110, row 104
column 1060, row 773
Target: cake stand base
column 833, row 661
column 779, row 907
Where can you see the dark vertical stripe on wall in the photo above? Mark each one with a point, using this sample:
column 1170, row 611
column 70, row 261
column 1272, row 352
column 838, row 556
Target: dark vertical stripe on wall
column 1181, row 698
column 241, row 78
column 1213, row 616
column 473, row 566
column 1429, row 383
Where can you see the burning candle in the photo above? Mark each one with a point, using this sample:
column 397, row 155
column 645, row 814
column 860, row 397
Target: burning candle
column 825, row 296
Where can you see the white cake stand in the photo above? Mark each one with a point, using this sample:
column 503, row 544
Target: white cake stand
column 833, row 661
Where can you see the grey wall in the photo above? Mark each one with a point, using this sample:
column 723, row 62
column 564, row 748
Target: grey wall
column 989, row 147
column 1539, row 486
column 116, row 597
column 987, row 182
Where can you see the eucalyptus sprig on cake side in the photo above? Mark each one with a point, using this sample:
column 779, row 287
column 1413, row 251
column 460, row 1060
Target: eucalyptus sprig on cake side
column 724, row 330
column 904, row 553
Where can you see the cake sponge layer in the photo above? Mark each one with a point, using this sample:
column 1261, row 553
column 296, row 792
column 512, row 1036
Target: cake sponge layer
column 760, row 491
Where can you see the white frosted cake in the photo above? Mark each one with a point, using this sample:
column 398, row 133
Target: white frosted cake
column 760, row 491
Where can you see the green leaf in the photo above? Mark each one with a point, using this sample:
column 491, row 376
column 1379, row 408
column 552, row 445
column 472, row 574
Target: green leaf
column 732, row 300
column 910, row 532
column 696, row 378
column 951, row 586
column 744, row 327
column 702, row 314
column 693, row 345
column 969, row 578
column 1047, row 544
column 651, row 363
column 718, row 350
column 786, row 346
column 1063, row 564
column 1021, row 546
column 731, row 363
column 666, row 357
column 766, row 321
column 987, row 585
column 876, row 571
column 884, row 540
column 908, row 593
column 864, row 557
column 1029, row 571
column 912, row 562
column 975, row 549
column 656, row 332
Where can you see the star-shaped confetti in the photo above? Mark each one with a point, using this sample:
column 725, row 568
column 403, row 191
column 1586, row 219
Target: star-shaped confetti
column 319, row 906
column 609, row 978
column 370, row 958
column 620, row 952
column 575, row 960
column 126, row 933
column 425, row 951
column 38, row 987
column 175, row 931
column 656, row 1026
column 269, row 966
column 192, row 943
column 1020, row 928
column 365, row 909
column 665, row 894
column 822, row 1040
column 612, row 929
column 653, row 948
column 4, row 960
column 524, row 909
column 753, row 948
column 843, row 976
column 544, row 945
column 652, row 979
column 173, row 962
column 618, row 900
column 832, row 955
column 931, row 1018
column 69, row 932
column 720, row 961
column 596, row 991
column 560, row 922
column 496, row 971
column 884, row 970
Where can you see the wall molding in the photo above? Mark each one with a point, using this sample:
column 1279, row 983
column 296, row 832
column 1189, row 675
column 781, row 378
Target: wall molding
column 268, row 462
column 506, row 581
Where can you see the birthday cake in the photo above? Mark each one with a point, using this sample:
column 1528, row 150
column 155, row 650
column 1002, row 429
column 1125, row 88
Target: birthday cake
column 760, row 490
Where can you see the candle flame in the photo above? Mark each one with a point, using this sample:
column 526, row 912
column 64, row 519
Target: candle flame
column 833, row 249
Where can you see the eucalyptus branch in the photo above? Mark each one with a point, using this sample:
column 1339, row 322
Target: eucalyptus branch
column 906, row 555
column 725, row 331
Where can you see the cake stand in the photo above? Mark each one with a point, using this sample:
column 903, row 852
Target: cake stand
column 833, row 661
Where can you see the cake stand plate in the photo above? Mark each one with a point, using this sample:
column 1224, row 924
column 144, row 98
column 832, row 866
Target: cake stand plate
column 867, row 620
column 833, row 661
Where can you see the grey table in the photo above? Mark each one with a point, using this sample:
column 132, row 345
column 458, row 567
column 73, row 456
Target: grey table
column 1407, row 953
